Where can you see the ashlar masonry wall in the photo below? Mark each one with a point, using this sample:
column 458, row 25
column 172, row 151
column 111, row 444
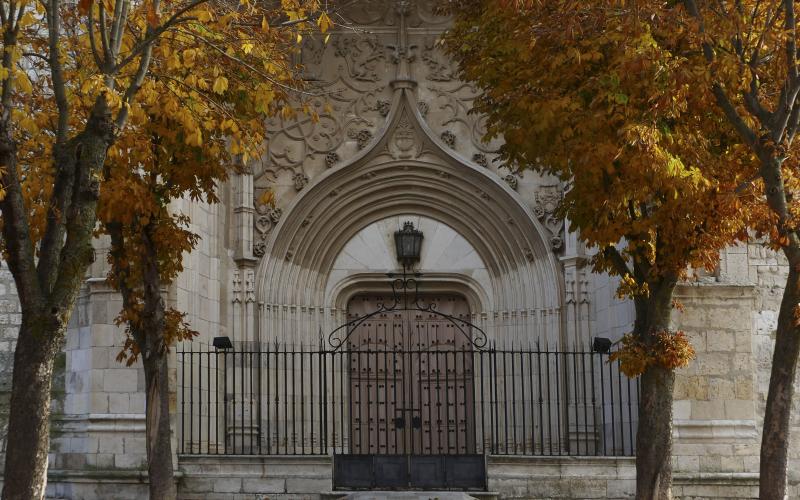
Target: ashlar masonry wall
column 10, row 319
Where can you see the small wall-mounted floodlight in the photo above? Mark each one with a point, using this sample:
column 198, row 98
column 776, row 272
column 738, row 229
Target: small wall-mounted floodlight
column 601, row 345
column 222, row 343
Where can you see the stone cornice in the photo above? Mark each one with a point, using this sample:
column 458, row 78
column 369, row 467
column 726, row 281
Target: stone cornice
column 716, row 431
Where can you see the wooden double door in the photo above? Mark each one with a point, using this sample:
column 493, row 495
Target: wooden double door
column 412, row 378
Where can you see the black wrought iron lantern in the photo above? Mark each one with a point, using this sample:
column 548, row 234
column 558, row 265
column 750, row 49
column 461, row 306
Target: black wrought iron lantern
column 408, row 243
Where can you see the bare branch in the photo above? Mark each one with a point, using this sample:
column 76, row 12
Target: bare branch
column 115, row 28
column 57, row 71
column 134, row 86
column 617, row 260
column 747, row 134
column 90, row 23
column 250, row 67
column 16, row 231
column 790, row 24
column 175, row 19
column 107, row 56
column 791, row 87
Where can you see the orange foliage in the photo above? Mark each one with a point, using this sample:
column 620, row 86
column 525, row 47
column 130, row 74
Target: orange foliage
column 668, row 350
column 188, row 85
column 599, row 93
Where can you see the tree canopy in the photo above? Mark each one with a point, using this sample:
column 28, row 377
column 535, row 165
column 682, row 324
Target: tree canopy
column 603, row 95
column 109, row 110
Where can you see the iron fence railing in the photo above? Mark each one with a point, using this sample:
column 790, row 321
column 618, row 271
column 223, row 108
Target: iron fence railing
column 296, row 400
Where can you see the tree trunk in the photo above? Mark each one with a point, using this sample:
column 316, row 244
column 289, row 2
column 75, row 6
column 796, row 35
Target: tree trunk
column 654, row 435
column 159, row 445
column 150, row 335
column 28, row 440
column 47, row 294
column 775, row 435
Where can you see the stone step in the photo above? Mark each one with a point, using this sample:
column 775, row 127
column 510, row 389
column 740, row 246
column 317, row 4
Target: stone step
column 410, row 495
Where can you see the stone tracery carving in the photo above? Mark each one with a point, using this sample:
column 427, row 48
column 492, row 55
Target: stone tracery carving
column 249, row 286
column 547, row 199
column 237, row 286
column 417, row 12
column 439, row 68
column 354, row 78
column 267, row 217
column 311, row 55
column 383, row 107
column 454, row 103
column 361, row 56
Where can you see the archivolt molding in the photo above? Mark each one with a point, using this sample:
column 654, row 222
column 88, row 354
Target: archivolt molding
column 433, row 181
column 478, row 298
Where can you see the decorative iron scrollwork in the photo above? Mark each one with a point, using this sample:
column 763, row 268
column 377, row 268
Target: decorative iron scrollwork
column 406, row 297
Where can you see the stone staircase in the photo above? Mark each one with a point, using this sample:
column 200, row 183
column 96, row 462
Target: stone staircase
column 410, row 495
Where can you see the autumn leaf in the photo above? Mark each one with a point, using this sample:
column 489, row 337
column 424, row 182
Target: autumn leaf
column 220, row 84
column 152, row 14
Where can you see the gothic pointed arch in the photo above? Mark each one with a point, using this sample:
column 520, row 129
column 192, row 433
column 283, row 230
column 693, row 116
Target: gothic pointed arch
column 407, row 169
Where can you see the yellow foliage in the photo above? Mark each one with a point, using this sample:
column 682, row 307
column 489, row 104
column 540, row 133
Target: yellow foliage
column 197, row 109
column 607, row 101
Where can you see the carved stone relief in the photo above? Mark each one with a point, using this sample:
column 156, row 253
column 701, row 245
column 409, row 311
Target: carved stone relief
column 512, row 181
column 300, row 181
column 362, row 137
column 331, row 159
column 440, row 68
column 449, row 139
column 266, row 219
column 387, row 12
column 362, row 56
column 354, row 76
column 405, row 142
column 547, row 199
column 569, row 285
column 237, row 286
column 452, row 103
column 249, row 286
column 480, row 159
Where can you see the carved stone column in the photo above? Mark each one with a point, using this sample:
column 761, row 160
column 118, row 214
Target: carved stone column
column 243, row 212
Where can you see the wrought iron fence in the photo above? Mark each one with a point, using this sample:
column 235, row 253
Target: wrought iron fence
column 300, row 400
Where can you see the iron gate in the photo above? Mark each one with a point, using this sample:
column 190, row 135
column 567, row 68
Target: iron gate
column 283, row 399
column 412, row 421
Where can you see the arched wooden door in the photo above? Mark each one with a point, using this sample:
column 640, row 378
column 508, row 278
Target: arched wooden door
column 412, row 401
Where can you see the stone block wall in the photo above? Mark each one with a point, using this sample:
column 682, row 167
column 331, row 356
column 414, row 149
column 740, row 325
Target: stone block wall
column 251, row 478
column 10, row 319
column 716, row 433
column 101, row 425
column 768, row 271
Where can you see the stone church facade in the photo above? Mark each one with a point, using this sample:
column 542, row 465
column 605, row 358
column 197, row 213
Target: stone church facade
column 396, row 143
